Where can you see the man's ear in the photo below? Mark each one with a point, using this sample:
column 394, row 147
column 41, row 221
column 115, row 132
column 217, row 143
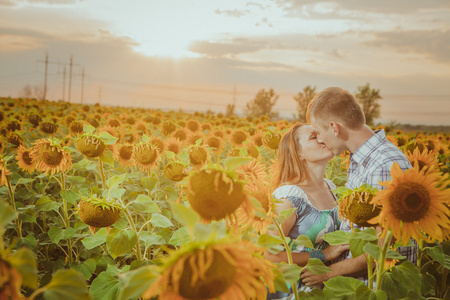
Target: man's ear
column 335, row 128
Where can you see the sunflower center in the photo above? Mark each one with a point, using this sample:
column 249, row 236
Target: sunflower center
column 410, row 202
column 125, row 152
column 27, row 158
column 215, row 281
column 51, row 155
column 174, row 148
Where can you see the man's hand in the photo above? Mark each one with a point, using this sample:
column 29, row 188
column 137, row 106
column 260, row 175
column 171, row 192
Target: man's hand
column 310, row 279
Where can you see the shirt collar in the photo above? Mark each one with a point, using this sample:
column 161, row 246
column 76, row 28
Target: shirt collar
column 363, row 152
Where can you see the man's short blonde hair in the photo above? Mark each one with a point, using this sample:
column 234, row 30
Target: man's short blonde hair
column 336, row 104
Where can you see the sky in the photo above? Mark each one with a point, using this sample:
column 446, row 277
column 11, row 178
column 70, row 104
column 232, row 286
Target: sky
column 205, row 54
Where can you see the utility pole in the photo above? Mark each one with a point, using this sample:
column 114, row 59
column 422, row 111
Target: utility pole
column 82, row 85
column 45, row 80
column 70, row 76
column 64, row 83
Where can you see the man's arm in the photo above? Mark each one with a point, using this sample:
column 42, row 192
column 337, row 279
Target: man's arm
column 349, row 267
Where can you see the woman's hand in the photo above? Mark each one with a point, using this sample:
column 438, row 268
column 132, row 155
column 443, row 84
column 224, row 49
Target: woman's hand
column 333, row 251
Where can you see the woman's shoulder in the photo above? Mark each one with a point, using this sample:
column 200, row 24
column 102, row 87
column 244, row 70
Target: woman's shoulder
column 288, row 190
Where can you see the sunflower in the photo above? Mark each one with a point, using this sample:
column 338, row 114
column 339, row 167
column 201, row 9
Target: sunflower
column 222, row 269
column 237, row 137
column 392, row 139
column 181, row 134
column 90, row 145
column 50, row 157
column 145, row 155
column 261, row 192
column 158, row 143
column 14, row 126
column 257, row 138
column 215, row 194
column 414, row 204
column 97, row 212
column 234, row 152
column 10, row 281
column 198, row 155
column 173, row 145
column 124, row 154
column 423, row 159
column 214, row 142
column 194, row 137
column 252, row 171
column 24, row 160
column 175, row 171
column 168, row 127
column 76, row 127
column 252, row 150
column 193, row 125
column 140, row 127
column 48, row 128
column 127, row 137
column 219, row 133
column 114, row 122
column 272, row 140
column 355, row 205
column 34, row 120
column 415, row 144
column 3, row 172
column 15, row 139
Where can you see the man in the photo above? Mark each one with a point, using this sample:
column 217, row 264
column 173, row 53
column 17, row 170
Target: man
column 339, row 122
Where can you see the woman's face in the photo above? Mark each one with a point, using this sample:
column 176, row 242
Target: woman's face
column 311, row 149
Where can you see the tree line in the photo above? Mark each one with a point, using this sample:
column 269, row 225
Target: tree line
column 265, row 100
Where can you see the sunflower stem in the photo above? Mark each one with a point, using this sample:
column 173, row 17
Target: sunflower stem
column 130, row 220
column 66, row 217
column 102, row 173
column 419, row 254
column 13, row 202
column 288, row 253
column 380, row 265
column 370, row 270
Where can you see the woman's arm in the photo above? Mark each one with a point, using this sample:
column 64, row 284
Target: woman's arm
column 299, row 258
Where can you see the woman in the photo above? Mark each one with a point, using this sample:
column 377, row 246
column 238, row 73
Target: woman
column 301, row 185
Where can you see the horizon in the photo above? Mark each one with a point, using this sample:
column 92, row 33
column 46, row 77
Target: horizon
column 207, row 55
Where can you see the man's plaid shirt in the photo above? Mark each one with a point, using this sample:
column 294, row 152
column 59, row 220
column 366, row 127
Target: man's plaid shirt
column 371, row 164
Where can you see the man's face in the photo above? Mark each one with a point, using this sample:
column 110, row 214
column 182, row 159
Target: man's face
column 326, row 135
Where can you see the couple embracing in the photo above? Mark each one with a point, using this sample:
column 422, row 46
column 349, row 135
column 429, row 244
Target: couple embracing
column 337, row 125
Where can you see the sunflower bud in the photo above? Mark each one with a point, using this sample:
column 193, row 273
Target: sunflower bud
column 198, row 155
column 175, row 171
column 213, row 194
column 90, row 146
column 48, row 127
column 356, row 207
column 97, row 212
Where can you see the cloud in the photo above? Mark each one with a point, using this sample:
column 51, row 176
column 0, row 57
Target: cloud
column 232, row 13
column 238, row 46
column 380, row 6
column 52, row 2
column 434, row 44
column 7, row 3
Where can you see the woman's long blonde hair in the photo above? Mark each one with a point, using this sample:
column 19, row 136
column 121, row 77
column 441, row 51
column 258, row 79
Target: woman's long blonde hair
column 291, row 169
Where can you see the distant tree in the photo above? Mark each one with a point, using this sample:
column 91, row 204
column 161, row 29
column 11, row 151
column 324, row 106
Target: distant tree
column 368, row 98
column 32, row 92
column 262, row 104
column 303, row 99
column 230, row 110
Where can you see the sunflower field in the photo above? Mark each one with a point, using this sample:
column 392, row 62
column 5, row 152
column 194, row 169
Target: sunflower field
column 103, row 202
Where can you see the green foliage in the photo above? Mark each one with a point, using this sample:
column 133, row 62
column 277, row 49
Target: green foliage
column 262, row 104
column 368, row 98
column 302, row 99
